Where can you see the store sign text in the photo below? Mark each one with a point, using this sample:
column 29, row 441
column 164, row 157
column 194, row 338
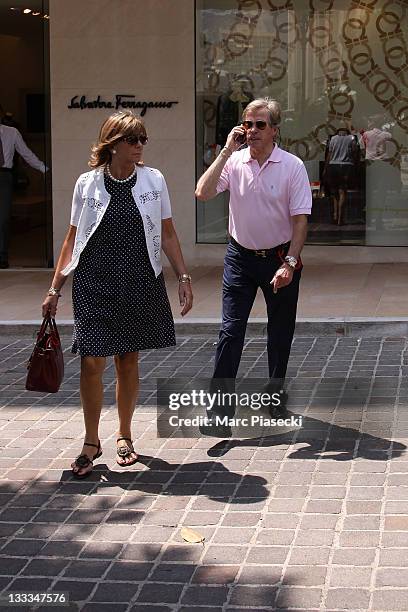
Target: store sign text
column 126, row 101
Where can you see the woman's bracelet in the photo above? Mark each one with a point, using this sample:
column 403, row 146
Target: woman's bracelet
column 184, row 278
column 52, row 292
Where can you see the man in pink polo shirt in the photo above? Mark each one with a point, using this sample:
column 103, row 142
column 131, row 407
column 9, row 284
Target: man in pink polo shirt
column 270, row 198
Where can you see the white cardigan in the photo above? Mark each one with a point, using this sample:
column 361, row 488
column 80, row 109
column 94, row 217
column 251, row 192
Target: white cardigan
column 90, row 201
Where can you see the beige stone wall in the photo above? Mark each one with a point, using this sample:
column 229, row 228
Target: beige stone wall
column 145, row 48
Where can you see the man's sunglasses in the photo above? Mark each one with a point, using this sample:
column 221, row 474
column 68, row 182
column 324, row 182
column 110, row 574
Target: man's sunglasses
column 261, row 125
column 134, row 140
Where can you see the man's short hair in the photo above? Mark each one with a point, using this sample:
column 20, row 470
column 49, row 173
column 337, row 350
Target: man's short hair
column 272, row 106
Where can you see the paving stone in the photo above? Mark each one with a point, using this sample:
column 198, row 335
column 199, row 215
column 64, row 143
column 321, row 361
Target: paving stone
column 215, row 574
column 319, row 521
column 22, row 548
column 181, row 552
column 100, row 550
column 395, row 577
column 303, row 575
column 268, row 554
column 31, row 584
column 230, row 535
column 270, row 574
column 191, row 608
column 275, row 536
column 324, row 506
column 85, row 569
column 142, row 608
column 115, row 591
column 359, row 522
column 18, row 515
column 98, row 607
column 241, row 519
column 160, row 592
column 11, row 566
column 314, row 537
column 224, row 555
column 255, row 596
column 306, row 555
column 348, row 556
column 396, row 523
column 45, row 567
column 140, row 552
column 298, row 597
column 348, row 599
column 208, row 594
column 395, row 539
column 362, row 539
column 363, row 507
column 78, row 590
column 350, row 577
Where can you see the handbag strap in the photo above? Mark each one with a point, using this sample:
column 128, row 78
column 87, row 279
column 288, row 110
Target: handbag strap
column 48, row 321
column 54, row 329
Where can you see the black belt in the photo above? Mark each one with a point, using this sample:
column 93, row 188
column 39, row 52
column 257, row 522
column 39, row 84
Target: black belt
column 278, row 250
column 6, row 170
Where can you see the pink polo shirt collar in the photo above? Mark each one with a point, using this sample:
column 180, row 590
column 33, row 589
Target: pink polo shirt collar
column 275, row 156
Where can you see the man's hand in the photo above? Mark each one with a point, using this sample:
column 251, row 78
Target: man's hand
column 233, row 140
column 282, row 278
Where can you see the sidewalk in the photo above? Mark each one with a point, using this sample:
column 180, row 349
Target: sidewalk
column 343, row 292
column 313, row 519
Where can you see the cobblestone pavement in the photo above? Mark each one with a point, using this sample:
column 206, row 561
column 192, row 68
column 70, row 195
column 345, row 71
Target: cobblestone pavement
column 310, row 519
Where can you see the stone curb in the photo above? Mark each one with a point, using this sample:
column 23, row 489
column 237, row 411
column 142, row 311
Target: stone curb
column 349, row 327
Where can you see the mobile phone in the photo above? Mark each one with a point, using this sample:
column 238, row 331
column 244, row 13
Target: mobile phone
column 240, row 138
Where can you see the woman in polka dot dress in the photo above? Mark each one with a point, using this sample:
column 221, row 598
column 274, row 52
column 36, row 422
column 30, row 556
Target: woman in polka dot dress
column 120, row 222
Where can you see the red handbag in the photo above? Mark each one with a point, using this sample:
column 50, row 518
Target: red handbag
column 46, row 364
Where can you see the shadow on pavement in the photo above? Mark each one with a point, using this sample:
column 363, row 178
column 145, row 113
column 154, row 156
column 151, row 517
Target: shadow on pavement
column 323, row 441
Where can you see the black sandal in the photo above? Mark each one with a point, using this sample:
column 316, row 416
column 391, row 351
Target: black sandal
column 83, row 461
column 125, row 451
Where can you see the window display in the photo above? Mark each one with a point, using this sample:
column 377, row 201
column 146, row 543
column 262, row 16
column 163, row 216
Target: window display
column 339, row 69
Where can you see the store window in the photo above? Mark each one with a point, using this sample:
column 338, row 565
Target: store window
column 340, row 72
column 24, row 105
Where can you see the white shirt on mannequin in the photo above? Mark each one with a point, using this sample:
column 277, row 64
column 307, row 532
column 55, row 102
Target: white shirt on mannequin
column 12, row 141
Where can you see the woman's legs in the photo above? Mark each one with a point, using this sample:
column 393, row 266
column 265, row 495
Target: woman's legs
column 127, row 389
column 91, row 389
column 342, row 199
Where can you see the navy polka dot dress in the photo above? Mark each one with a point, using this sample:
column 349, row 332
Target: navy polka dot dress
column 119, row 305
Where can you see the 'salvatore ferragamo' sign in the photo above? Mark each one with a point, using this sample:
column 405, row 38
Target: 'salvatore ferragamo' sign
column 120, row 101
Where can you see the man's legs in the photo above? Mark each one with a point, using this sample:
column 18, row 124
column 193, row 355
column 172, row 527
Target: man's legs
column 239, row 291
column 6, row 195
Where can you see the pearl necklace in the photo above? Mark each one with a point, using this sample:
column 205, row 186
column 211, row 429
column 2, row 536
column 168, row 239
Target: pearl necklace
column 129, row 178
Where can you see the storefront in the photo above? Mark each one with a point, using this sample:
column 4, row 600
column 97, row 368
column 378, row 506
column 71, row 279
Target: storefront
column 24, row 104
column 339, row 68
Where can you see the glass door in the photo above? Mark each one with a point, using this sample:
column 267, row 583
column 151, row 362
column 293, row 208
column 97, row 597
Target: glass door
column 25, row 118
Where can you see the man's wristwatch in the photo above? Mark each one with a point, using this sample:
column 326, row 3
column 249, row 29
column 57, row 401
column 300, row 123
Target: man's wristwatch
column 184, row 278
column 291, row 261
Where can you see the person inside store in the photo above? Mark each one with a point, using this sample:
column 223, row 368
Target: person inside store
column 11, row 141
column 121, row 220
column 341, row 159
column 270, row 198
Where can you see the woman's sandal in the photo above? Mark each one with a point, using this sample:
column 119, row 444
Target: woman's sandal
column 83, row 461
column 125, row 451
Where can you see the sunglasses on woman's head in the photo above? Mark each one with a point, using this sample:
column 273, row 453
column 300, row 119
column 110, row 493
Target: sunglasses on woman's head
column 261, row 125
column 134, row 140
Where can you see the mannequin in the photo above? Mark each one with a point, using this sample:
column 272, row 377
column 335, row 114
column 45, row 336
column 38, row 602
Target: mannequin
column 229, row 110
